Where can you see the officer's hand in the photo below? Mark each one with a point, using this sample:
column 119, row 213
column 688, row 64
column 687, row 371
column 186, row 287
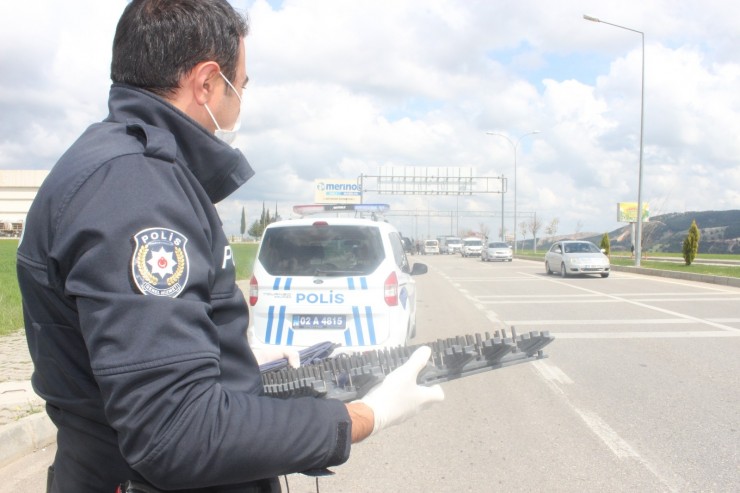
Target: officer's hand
column 267, row 354
column 398, row 397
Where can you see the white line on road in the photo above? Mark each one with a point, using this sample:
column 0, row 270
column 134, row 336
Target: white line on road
column 585, row 299
column 553, row 376
column 633, row 296
column 651, row 307
column 623, row 321
column 551, row 373
column 691, row 334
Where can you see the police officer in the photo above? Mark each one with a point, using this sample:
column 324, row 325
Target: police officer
column 133, row 318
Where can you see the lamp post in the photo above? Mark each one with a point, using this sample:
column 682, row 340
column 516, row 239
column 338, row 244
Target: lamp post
column 638, row 239
column 515, row 145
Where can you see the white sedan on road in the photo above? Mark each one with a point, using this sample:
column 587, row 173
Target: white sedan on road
column 496, row 250
column 576, row 257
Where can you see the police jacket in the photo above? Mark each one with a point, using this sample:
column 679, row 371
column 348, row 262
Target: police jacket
column 136, row 326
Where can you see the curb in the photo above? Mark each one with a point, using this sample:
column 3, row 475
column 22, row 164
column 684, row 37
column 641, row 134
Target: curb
column 29, row 433
column 686, row 276
column 25, row 436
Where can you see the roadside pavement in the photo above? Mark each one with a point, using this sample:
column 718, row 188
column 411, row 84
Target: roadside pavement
column 24, row 425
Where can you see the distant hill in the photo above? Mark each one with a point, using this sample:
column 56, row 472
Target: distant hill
column 720, row 232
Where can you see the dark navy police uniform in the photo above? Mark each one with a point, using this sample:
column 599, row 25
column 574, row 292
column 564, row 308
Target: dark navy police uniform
column 136, row 326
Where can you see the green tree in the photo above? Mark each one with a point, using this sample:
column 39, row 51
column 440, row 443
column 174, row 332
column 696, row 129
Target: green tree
column 605, row 244
column 691, row 243
column 258, row 227
column 244, row 222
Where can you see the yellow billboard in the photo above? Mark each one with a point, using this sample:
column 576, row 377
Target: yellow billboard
column 627, row 212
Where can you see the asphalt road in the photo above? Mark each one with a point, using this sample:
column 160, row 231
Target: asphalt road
column 641, row 391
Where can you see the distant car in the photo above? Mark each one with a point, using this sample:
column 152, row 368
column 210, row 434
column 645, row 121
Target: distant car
column 336, row 279
column 454, row 244
column 471, row 247
column 431, row 247
column 497, row 250
column 576, row 257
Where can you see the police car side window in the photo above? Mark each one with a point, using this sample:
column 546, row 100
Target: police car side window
column 398, row 254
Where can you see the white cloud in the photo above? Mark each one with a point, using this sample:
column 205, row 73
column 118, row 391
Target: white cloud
column 341, row 88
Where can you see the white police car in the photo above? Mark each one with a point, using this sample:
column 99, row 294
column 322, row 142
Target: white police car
column 346, row 280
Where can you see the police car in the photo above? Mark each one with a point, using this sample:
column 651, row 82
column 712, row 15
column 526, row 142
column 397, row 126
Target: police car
column 333, row 278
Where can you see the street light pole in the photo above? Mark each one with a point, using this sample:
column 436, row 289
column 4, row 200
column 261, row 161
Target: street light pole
column 638, row 236
column 515, row 145
column 503, row 189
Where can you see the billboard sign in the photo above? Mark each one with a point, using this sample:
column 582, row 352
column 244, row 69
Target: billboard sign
column 337, row 191
column 627, row 212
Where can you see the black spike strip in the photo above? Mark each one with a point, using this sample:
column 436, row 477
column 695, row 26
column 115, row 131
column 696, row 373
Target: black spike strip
column 348, row 377
column 494, row 349
column 532, row 342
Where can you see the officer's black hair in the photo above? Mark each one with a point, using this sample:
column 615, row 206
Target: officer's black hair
column 157, row 42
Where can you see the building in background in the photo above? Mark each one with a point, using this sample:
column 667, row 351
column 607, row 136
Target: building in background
column 17, row 190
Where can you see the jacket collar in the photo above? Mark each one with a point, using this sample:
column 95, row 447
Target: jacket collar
column 218, row 167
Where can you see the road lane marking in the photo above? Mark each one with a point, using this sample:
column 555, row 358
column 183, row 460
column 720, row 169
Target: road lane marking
column 679, row 282
column 621, row 321
column 551, row 372
column 645, row 335
column 650, row 307
column 554, row 378
column 634, row 296
column 606, row 433
column 549, row 302
column 585, row 299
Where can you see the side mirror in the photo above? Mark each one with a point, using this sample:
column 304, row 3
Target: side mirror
column 418, row 269
column 603, row 250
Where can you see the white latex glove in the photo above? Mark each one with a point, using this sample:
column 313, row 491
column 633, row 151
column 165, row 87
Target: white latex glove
column 266, row 354
column 398, row 397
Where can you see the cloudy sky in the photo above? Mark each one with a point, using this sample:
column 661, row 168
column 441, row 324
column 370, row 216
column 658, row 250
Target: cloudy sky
column 341, row 88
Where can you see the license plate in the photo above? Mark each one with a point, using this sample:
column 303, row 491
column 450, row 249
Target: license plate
column 319, row 321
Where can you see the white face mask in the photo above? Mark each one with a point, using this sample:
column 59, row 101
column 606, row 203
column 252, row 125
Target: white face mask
column 227, row 136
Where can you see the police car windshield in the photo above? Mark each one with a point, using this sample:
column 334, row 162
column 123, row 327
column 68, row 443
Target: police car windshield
column 327, row 250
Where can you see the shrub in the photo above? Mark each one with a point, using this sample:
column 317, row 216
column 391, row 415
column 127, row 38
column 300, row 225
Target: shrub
column 605, row 243
column 691, row 244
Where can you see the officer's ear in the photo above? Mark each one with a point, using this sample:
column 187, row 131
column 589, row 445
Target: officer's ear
column 202, row 81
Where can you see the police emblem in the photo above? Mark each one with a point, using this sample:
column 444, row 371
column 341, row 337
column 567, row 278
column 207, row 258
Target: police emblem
column 159, row 264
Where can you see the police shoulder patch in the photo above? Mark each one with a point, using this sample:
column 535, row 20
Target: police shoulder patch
column 159, row 265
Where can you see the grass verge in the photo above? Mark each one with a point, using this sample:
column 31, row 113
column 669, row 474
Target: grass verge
column 712, row 270
column 11, row 314
column 244, row 254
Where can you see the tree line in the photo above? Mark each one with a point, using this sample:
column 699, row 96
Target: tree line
column 257, row 229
